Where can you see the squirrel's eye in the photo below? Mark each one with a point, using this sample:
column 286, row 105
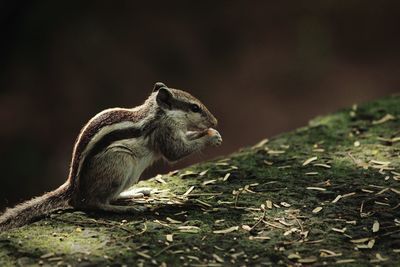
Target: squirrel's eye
column 195, row 108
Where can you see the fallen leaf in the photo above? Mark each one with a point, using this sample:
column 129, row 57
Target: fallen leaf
column 189, row 191
column 308, row 161
column 337, row 199
column 316, row 188
column 384, row 119
column 317, row 209
column 226, row 177
column 218, row 258
column 308, row 260
column 203, row 173
column 375, row 227
column 261, row 143
column 228, row 230
column 345, row 261
column 293, row 256
column 169, row 238
column 209, row 182
column 361, row 240
column 173, row 221
column 246, row 227
column 322, row 165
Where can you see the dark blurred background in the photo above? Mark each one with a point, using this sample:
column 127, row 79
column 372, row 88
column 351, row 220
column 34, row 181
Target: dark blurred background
column 262, row 67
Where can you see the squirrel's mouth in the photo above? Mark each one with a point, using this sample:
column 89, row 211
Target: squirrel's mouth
column 196, row 132
column 197, row 129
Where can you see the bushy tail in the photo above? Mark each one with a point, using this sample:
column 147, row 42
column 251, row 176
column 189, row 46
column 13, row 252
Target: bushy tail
column 35, row 208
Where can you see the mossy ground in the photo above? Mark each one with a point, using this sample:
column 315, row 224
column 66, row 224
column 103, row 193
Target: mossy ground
column 278, row 206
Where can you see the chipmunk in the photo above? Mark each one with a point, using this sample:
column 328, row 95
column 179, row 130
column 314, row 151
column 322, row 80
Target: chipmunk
column 116, row 146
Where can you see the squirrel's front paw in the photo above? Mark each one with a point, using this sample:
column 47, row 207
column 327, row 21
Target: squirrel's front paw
column 215, row 138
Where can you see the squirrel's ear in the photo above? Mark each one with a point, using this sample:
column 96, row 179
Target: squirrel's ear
column 164, row 97
column 157, row 86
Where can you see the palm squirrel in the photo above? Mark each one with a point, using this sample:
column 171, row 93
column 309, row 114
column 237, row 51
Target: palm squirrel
column 116, row 146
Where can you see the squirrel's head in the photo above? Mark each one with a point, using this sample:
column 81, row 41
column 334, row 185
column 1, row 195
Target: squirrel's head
column 183, row 108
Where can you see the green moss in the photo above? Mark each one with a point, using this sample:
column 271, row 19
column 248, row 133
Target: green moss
column 348, row 142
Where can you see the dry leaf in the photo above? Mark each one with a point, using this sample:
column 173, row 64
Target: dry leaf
column 261, row 143
column 226, row 177
column 189, row 229
column 325, row 253
column 337, row 199
column 308, row 260
column 345, row 261
column 384, row 119
column 395, row 191
column 339, row 230
column 203, row 173
column 375, row 227
column 173, row 221
column 308, row 161
column 316, row 188
column 189, row 191
column 209, row 182
column 159, row 179
column 317, row 209
column 348, row 194
column 218, row 258
column 187, row 173
column 169, row 238
column 361, row 240
column 322, row 165
column 380, row 258
column 269, row 204
column 143, row 254
column 294, row 256
column 371, row 243
column 275, row 152
column 246, row 227
column 228, row 230
column 293, row 230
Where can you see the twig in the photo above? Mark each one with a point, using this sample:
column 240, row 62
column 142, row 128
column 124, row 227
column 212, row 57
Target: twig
column 166, row 248
column 260, row 220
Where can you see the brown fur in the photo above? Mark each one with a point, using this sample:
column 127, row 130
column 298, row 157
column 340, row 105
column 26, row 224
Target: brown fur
column 108, row 167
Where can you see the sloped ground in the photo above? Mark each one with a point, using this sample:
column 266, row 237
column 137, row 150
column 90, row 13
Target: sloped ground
column 323, row 194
